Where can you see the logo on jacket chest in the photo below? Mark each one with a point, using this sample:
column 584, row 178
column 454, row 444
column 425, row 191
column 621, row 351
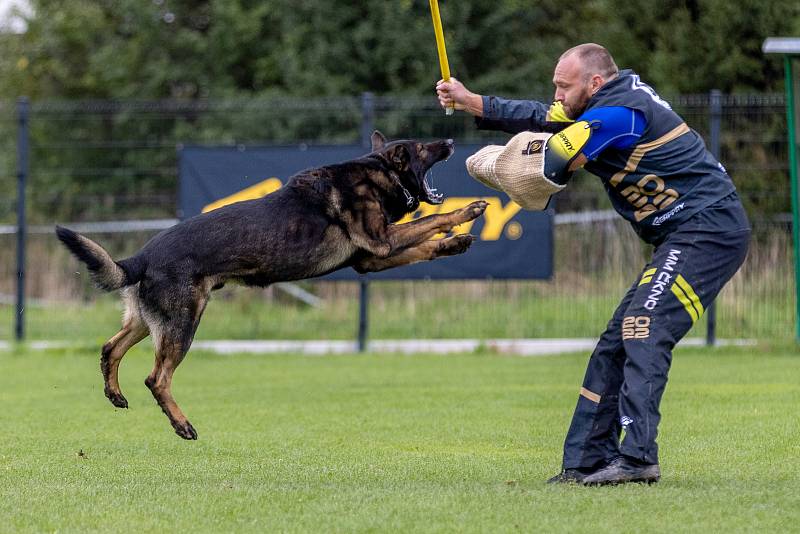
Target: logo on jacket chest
column 647, row 195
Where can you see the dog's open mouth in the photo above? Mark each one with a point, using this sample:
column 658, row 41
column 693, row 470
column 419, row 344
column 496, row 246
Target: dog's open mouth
column 431, row 196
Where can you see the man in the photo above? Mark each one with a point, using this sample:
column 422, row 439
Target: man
column 660, row 177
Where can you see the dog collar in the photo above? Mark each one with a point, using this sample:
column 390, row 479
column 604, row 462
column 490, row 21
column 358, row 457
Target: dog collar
column 409, row 199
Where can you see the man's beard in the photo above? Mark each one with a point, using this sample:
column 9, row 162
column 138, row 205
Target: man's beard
column 576, row 111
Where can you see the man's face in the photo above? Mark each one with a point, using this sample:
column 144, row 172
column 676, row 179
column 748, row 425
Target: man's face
column 571, row 88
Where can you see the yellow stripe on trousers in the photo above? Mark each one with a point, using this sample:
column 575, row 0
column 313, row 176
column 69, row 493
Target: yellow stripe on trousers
column 687, row 297
column 681, row 281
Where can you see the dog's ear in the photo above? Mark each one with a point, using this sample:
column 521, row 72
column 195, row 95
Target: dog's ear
column 378, row 140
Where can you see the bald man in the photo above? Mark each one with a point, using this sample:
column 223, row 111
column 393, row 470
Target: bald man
column 679, row 198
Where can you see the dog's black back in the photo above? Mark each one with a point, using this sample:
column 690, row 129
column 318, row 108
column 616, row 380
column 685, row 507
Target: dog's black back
column 297, row 232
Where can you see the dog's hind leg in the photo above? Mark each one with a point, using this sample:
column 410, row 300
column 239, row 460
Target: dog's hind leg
column 133, row 330
column 169, row 354
column 172, row 341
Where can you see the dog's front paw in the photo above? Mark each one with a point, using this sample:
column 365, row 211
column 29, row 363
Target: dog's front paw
column 474, row 210
column 458, row 244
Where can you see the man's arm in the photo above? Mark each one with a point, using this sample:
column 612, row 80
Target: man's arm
column 495, row 113
column 615, row 127
column 514, row 116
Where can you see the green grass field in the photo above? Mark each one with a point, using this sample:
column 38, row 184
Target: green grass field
column 459, row 443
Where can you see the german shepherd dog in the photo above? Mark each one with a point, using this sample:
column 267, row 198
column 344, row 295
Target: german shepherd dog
column 323, row 219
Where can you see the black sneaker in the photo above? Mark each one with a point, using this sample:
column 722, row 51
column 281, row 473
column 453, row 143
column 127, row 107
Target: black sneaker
column 624, row 469
column 570, row 476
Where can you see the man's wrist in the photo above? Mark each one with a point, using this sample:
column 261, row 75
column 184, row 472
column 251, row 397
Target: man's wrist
column 474, row 105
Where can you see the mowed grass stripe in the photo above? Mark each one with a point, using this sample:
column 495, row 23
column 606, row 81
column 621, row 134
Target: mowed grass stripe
column 385, row 443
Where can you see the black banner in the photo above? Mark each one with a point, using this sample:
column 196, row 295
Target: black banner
column 511, row 242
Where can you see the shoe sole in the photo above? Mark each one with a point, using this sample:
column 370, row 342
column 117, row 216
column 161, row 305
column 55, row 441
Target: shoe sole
column 648, row 481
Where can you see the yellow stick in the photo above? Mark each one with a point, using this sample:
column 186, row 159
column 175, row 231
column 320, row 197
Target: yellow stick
column 440, row 47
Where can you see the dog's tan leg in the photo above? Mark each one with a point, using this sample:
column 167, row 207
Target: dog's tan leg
column 172, row 342
column 113, row 351
column 133, row 331
column 429, row 250
column 410, row 234
column 169, row 354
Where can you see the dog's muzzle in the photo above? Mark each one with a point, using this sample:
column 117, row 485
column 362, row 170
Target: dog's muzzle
column 429, row 194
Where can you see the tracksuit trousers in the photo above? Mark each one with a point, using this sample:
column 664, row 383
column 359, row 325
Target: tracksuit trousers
column 627, row 372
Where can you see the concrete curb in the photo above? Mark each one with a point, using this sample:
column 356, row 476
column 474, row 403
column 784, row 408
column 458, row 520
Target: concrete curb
column 520, row 347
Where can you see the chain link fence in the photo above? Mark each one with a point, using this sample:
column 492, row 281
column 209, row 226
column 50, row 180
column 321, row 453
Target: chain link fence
column 117, row 161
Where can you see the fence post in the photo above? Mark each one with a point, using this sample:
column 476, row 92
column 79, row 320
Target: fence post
column 22, row 176
column 794, row 178
column 367, row 127
column 715, row 102
column 363, row 313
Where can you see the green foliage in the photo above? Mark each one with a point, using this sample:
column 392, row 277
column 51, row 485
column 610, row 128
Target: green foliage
column 203, row 48
column 708, row 44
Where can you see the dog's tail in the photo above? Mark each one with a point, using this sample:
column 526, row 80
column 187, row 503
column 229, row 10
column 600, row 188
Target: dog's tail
column 106, row 273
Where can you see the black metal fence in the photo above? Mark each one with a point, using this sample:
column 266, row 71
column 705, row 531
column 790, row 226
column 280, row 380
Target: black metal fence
column 116, row 161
